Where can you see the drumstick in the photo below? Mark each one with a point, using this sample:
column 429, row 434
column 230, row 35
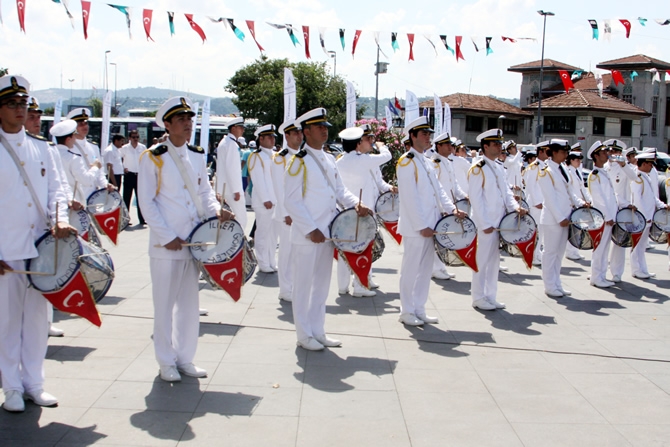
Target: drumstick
column 191, row 244
column 358, row 218
column 340, row 240
column 457, row 210
column 56, row 247
column 218, row 226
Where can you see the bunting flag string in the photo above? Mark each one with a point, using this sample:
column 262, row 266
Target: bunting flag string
column 322, row 40
column 67, row 11
column 443, row 38
column 662, row 22
column 459, row 54
column 147, row 15
column 410, row 38
column 617, row 77
column 626, row 24
column 289, row 30
column 489, row 50
column 252, row 30
column 394, row 42
column 594, row 27
column 85, row 11
column 305, row 34
column 171, row 22
column 357, row 35
column 238, row 32
column 1, row 21
column 342, row 37
column 633, row 75
column 607, row 30
column 126, row 11
column 21, row 9
column 196, row 27
column 576, row 74
column 430, row 41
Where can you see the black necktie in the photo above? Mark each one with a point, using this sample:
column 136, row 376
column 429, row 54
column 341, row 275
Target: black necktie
column 565, row 176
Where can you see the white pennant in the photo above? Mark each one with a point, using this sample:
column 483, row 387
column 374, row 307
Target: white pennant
column 204, row 126
column 351, row 105
column 411, row 107
column 437, row 107
column 446, row 126
column 106, row 118
column 607, row 30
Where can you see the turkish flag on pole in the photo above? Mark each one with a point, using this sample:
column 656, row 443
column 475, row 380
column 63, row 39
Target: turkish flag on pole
column 357, row 35
column 617, row 77
column 469, row 255
column 305, row 33
column 146, row 18
column 109, row 223
column 567, row 82
column 229, row 275
column 527, row 249
column 410, row 37
column 21, row 9
column 626, row 24
column 252, row 30
column 76, row 298
column 360, row 264
column 85, row 11
column 459, row 55
column 196, row 27
column 392, row 228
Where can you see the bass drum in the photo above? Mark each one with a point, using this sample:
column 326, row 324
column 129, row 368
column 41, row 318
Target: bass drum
column 583, row 220
column 660, row 226
column 451, row 234
column 627, row 222
column 515, row 229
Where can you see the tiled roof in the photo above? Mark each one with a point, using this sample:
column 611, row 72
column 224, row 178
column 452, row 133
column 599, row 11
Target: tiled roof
column 476, row 103
column 549, row 65
column 588, row 100
column 636, row 61
column 588, row 81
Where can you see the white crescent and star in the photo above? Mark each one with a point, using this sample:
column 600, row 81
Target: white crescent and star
column 84, row 13
column 147, row 21
column 70, row 296
column 226, row 272
column 365, row 258
column 111, row 227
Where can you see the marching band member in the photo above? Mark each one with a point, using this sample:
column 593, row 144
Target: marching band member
column 175, row 195
column 229, row 171
column 514, row 164
column 263, row 198
column 645, row 198
column 604, row 200
column 574, row 166
column 89, row 151
column 313, row 189
column 490, row 199
column 27, row 169
column 293, row 137
column 534, row 194
column 357, row 168
column 559, row 202
column 461, row 164
column 422, row 201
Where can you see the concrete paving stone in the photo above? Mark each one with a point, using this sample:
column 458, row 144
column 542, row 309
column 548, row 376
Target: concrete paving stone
column 207, row 429
column 484, row 358
column 210, row 352
column 559, row 435
column 548, row 408
column 645, row 435
column 328, row 432
column 155, row 396
column 476, row 432
column 354, row 404
column 257, row 375
column 653, row 349
column 446, row 408
column 81, row 393
column 350, row 357
column 502, row 382
column 247, row 400
column 617, row 333
column 37, row 424
column 571, row 363
column 371, row 374
column 264, row 354
column 421, row 355
column 444, row 381
column 103, row 368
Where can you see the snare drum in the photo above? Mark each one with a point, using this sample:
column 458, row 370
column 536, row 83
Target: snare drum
column 583, row 221
column 627, row 223
column 387, row 207
column 515, row 230
column 660, row 226
column 110, row 213
column 378, row 246
column 81, row 220
column 463, row 205
column 451, row 235
column 74, row 254
column 343, row 231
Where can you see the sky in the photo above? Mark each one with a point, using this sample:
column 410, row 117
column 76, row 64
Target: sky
column 51, row 52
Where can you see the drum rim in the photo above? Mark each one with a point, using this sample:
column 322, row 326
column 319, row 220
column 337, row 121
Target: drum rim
column 653, row 218
column 74, row 271
column 453, row 216
column 377, row 201
column 508, row 214
column 634, row 211
column 188, row 239
column 330, row 225
column 112, row 193
column 586, row 208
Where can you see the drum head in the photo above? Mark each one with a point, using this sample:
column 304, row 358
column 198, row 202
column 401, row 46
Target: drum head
column 464, row 205
column 98, row 269
column 387, row 207
column 69, row 250
column 454, row 233
column 587, row 219
column 662, row 219
column 343, row 231
column 80, row 220
column 630, row 221
column 102, row 201
column 515, row 228
column 231, row 240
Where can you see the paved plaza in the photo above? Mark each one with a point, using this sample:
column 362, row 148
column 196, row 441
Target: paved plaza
column 592, row 369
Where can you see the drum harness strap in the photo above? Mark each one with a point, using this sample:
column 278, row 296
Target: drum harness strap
column 186, row 178
column 436, row 193
column 26, row 180
column 325, row 175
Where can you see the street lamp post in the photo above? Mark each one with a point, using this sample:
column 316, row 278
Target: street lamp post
column 333, row 55
column 106, row 78
column 539, row 129
column 114, row 64
column 71, row 81
column 380, row 68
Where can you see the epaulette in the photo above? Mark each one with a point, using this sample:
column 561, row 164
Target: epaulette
column 301, row 153
column 37, row 137
column 437, row 160
column 639, row 176
column 258, row 149
column 481, row 163
column 283, row 152
column 196, row 149
column 409, row 155
column 159, row 150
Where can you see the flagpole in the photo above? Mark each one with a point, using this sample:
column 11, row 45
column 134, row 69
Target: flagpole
column 538, row 132
column 377, row 85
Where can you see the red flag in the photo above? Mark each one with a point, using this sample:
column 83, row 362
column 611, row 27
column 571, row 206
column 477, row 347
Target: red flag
column 626, row 25
column 397, row 104
column 146, row 17
column 109, row 223
column 508, row 38
column 469, row 255
column 21, row 9
column 567, row 82
column 527, row 249
column 196, row 27
column 360, row 264
column 76, row 298
column 305, row 33
column 252, row 30
column 85, row 11
column 353, row 46
column 596, row 236
column 229, row 275
column 459, row 55
column 410, row 37
column 635, row 237
column 617, row 77
column 392, row 228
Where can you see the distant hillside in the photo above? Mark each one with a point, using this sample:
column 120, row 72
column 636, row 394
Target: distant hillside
column 369, row 103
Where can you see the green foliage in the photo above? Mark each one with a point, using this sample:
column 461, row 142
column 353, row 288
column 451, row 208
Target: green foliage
column 48, row 111
column 391, row 137
column 259, row 88
column 3, row 71
column 96, row 106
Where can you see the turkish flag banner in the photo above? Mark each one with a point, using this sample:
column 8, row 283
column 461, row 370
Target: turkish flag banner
column 228, row 275
column 21, row 9
column 635, row 237
column 75, row 298
column 360, row 263
column 567, row 82
column 459, row 54
column 196, row 27
column 85, row 11
column 469, row 255
column 596, row 236
column 617, row 77
column 109, row 223
column 410, row 37
column 252, row 29
column 305, row 33
column 392, row 228
column 357, row 35
column 626, row 24
column 146, row 18
column 527, row 248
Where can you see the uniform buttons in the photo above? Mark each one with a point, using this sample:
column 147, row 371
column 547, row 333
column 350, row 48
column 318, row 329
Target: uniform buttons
column 188, row 203
column 32, row 226
column 185, row 187
column 30, row 204
column 23, row 163
column 25, row 184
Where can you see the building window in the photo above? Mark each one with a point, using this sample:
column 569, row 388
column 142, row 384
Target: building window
column 598, row 125
column 560, row 124
column 509, row 127
column 626, row 128
column 654, row 116
column 474, row 123
column 628, row 98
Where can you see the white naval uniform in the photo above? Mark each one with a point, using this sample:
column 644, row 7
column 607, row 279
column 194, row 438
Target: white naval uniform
column 559, row 202
column 229, row 173
column 578, row 189
column 513, row 165
column 282, row 229
column 312, row 204
column 604, row 200
column 422, row 202
column 23, row 310
column 91, row 153
column 621, row 179
column 358, row 173
column 170, row 212
column 667, row 195
column 490, row 199
column 265, row 241
column 461, row 168
column 534, row 199
column 77, row 173
column 645, row 198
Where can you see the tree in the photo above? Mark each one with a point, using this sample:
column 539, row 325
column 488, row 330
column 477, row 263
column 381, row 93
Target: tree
column 96, row 105
column 3, row 71
column 259, row 88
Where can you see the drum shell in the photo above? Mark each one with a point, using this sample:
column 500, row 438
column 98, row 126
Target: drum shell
column 378, row 246
column 447, row 257
column 657, row 234
column 124, row 220
column 578, row 235
column 621, row 236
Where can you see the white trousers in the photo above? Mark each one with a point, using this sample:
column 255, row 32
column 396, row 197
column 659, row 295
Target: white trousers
column 345, row 275
column 265, row 240
column 599, row 257
column 284, row 275
column 638, row 256
column 415, row 273
column 537, row 254
column 312, row 268
column 485, row 282
column 555, row 240
column 617, row 259
column 239, row 208
column 174, row 285
column 24, row 331
column 571, row 252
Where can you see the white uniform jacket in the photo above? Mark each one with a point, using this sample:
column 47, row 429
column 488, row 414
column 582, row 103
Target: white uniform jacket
column 76, row 172
column 514, row 164
column 461, row 168
column 91, row 153
column 422, row 198
column 358, row 173
column 559, row 201
column 444, row 168
column 603, row 194
column 533, row 191
column 229, row 166
column 490, row 195
column 577, row 183
column 21, row 223
column 621, row 179
column 308, row 196
column 280, row 161
column 644, row 196
column 165, row 201
column 260, row 170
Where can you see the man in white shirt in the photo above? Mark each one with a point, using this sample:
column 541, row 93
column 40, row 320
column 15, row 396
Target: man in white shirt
column 131, row 153
column 229, row 171
column 461, row 164
column 576, row 185
column 113, row 160
column 89, row 151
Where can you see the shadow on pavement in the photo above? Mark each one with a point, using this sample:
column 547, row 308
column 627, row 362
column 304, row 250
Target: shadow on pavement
column 518, row 323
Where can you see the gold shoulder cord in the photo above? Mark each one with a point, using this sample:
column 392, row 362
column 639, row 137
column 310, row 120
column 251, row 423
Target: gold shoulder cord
column 597, row 177
column 294, row 172
column 476, row 170
column 159, row 164
column 404, row 161
column 544, row 172
column 251, row 167
column 281, row 162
